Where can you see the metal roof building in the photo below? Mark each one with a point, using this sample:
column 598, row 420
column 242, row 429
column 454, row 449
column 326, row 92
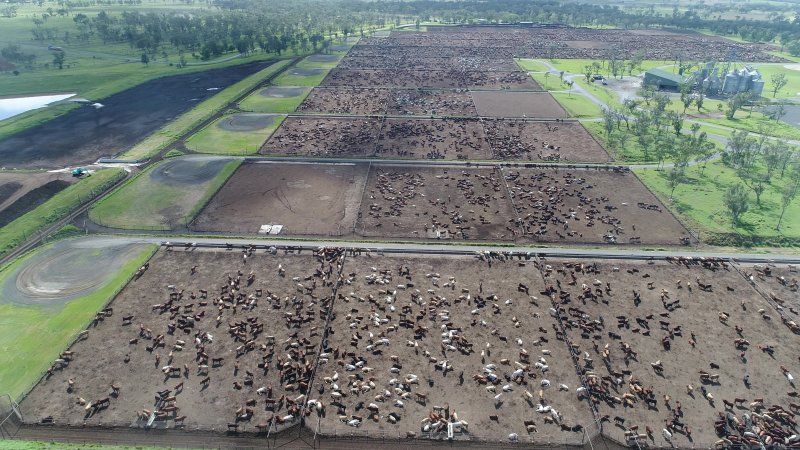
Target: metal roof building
column 662, row 79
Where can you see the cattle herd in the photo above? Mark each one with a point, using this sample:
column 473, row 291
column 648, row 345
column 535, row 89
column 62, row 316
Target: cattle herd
column 496, row 347
column 487, row 346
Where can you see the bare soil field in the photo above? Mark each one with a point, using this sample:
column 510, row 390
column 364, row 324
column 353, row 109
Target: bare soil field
column 306, row 199
column 780, row 284
column 543, row 141
column 436, row 203
column 403, row 78
column 417, row 337
column 418, row 102
column 433, row 139
column 83, row 135
column 409, row 78
column 590, row 206
column 346, row 100
column 686, row 347
column 549, row 43
column 517, row 104
column 243, row 354
column 322, row 136
column 21, row 192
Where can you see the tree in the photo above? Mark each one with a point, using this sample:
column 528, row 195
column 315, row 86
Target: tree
column 736, row 102
column 779, row 80
column 675, row 177
column 587, row 72
column 686, row 95
column 609, row 121
column 789, row 193
column 676, row 120
column 698, row 101
column 145, row 59
column 736, row 201
column 58, row 59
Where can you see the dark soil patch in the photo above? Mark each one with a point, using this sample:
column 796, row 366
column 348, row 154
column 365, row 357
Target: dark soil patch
column 188, row 171
column 282, row 92
column 306, row 199
column 517, row 104
column 8, row 189
column 31, row 200
column 323, row 58
column 246, row 122
column 307, row 72
column 86, row 134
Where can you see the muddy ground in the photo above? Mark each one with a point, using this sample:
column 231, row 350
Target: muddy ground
column 24, row 191
column 409, row 78
column 436, row 203
column 346, row 100
column 410, row 102
column 319, row 136
column 540, row 105
column 421, row 315
column 118, row 354
column 543, row 141
column 590, row 206
column 306, row 199
column 451, row 139
column 674, row 332
column 85, row 134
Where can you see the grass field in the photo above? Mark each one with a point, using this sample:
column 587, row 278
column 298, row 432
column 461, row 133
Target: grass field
column 167, row 134
column 142, row 204
column 56, row 208
column 577, row 105
column 792, row 88
column 216, row 140
column 700, row 202
column 288, row 79
column 32, row 336
column 577, row 65
column 256, row 102
column 744, row 121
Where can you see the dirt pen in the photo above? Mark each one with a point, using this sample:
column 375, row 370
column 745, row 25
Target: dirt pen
column 362, row 346
column 325, row 137
column 411, row 201
column 304, row 199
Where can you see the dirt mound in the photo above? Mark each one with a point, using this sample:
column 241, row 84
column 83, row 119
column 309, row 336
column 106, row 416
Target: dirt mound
column 8, row 189
column 307, row 72
column 30, row 200
column 282, row 92
column 323, row 58
column 69, row 270
column 188, row 171
column 246, row 122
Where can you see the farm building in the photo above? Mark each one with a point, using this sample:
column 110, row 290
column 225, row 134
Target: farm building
column 662, row 79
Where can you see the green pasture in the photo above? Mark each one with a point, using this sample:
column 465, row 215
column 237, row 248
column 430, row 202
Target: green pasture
column 700, row 202
column 577, row 105
column 256, row 102
column 288, row 79
column 143, row 204
column 577, row 66
column 792, row 88
column 56, row 208
column 167, row 134
column 31, row 337
column 216, row 140
column 756, row 121
column 307, row 63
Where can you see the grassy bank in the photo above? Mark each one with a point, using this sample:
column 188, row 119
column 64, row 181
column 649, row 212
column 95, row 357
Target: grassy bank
column 56, row 208
column 699, row 201
column 38, row 333
column 143, row 204
column 256, row 102
column 167, row 134
column 214, row 139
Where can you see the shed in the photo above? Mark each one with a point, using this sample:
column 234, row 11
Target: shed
column 662, row 79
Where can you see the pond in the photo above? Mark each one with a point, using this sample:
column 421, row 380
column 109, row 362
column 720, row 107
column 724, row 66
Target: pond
column 10, row 107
